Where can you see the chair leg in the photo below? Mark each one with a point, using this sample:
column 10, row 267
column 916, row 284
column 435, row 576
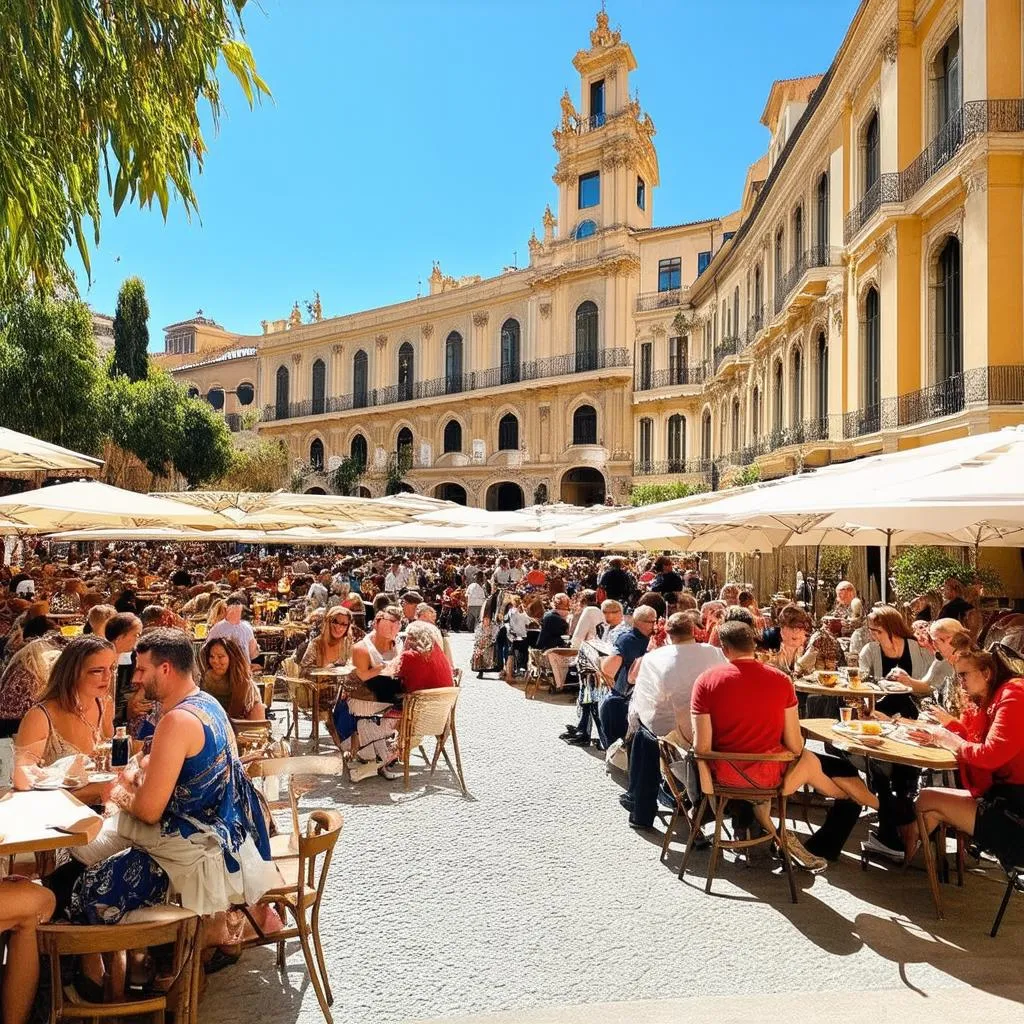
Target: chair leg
column 960, row 854
column 929, row 863
column 694, row 833
column 716, row 844
column 1011, row 884
column 668, row 833
column 307, row 952
column 280, row 956
column 315, row 929
column 458, row 758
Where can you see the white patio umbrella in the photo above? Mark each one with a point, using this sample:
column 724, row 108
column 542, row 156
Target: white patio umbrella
column 91, row 504
column 281, row 509
column 22, row 453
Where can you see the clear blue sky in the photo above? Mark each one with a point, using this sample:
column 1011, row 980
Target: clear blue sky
column 404, row 131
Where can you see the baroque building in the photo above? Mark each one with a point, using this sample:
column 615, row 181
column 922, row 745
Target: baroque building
column 866, row 295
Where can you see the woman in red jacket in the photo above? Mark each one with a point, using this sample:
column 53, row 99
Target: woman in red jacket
column 988, row 740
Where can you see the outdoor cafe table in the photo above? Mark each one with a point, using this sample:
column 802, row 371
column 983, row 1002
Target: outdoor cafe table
column 841, row 690
column 895, row 752
column 40, row 821
column 329, row 678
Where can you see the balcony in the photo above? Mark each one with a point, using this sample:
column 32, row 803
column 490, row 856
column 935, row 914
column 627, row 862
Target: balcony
column 414, row 391
column 646, row 301
column 870, row 420
column 725, row 348
column 985, row 385
column 886, row 189
column 674, row 376
column 815, row 257
column 645, row 467
column 755, row 324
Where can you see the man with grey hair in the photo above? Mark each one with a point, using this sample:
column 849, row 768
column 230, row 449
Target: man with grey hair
column 613, row 708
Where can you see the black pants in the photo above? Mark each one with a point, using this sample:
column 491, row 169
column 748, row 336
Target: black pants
column 644, row 776
column 828, row 841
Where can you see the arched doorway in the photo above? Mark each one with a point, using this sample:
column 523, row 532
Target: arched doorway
column 451, row 492
column 363, row 492
column 583, row 486
column 505, row 497
column 314, row 490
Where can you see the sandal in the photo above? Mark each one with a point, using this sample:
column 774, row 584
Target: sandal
column 220, row 960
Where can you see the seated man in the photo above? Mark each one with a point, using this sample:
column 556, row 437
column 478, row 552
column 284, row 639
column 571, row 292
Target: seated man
column 751, row 708
column 555, row 624
column 661, row 703
column 614, row 626
column 191, row 818
column 235, row 627
column 848, row 605
column 613, row 708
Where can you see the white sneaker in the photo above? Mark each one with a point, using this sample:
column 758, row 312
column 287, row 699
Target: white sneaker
column 875, row 845
column 387, row 772
column 359, row 770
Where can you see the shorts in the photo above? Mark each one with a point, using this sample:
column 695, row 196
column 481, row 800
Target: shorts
column 999, row 824
column 750, row 774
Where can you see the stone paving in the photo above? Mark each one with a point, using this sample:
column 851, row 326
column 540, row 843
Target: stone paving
column 532, row 892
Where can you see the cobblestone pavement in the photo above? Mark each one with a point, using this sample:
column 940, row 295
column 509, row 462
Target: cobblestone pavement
column 533, row 892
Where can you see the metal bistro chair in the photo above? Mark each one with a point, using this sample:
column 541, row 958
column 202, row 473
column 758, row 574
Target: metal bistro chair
column 718, row 796
column 431, row 713
column 304, row 860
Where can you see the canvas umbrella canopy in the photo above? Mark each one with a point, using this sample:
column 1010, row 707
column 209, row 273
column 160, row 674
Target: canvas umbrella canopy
column 659, row 534
column 281, row 509
column 91, row 504
column 21, row 453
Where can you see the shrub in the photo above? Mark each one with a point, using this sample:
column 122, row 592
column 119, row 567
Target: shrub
column 919, row 569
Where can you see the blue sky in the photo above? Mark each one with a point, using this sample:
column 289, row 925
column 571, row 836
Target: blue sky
column 401, row 132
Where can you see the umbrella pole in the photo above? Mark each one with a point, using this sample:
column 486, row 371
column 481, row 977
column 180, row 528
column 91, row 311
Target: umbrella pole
column 884, row 581
column 814, row 591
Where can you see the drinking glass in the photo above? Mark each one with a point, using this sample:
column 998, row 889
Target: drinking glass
column 845, row 714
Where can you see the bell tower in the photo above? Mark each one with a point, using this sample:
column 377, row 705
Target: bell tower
column 607, row 167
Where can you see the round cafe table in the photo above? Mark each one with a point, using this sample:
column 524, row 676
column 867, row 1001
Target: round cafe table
column 843, row 691
column 327, row 680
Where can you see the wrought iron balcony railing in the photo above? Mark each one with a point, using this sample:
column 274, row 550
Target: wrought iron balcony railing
column 645, row 467
column 647, row 301
column 816, row 256
column 674, row 376
column 584, row 361
column 725, row 348
column 755, row 323
column 886, row 189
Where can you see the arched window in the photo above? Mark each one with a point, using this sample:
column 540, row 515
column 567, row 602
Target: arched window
column 453, row 363
column 758, row 293
column 357, row 451
column 406, row 370
column 948, row 319
column 755, row 414
column 584, row 229
column 245, row 394
column 360, row 380
column 646, row 447
column 735, row 332
column 584, row 425
column 510, row 351
column 676, row 443
column 798, row 387
column 453, row 436
column 403, row 447
column 872, row 350
column 780, row 265
column 822, row 388
column 777, row 403
column 822, row 236
column 319, row 387
column 508, row 433
column 947, row 74
column 798, row 233
column 215, row 396
column 705, row 436
column 737, row 439
column 316, row 455
column 872, row 155
column 193, row 392
column 281, row 395
column 586, row 337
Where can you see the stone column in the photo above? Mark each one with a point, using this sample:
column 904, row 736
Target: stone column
column 381, row 375
column 479, row 355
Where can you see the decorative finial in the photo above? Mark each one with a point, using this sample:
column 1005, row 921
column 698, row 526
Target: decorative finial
column 295, row 320
column 602, row 35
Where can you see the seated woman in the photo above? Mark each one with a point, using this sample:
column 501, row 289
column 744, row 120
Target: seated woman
column 123, row 631
column 375, row 656
column 26, row 673
column 988, row 740
column 423, row 665
column 893, row 653
column 712, row 613
column 23, row 906
column 785, row 642
column 227, row 676
column 74, row 712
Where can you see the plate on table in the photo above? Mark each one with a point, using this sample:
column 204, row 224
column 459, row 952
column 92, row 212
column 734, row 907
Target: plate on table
column 853, row 729
column 99, row 777
column 48, row 784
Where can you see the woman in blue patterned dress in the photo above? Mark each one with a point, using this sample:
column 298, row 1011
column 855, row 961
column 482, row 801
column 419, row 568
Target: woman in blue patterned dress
column 190, row 813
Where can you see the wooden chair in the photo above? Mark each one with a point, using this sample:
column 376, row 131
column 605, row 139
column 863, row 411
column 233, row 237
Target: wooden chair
column 174, row 925
column 671, row 753
column 538, row 672
column 430, row 713
column 250, row 734
column 304, row 860
column 718, row 796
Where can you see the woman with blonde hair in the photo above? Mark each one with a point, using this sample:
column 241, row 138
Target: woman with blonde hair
column 218, row 611
column 228, row 677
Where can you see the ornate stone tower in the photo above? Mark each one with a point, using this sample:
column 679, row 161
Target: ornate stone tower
column 607, row 167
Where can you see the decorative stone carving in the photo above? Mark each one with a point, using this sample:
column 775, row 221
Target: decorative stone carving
column 339, row 349
column 564, row 175
column 975, row 181
column 544, row 410
column 427, row 330
column 545, row 310
column 549, row 220
column 295, row 319
column 890, row 47
column 601, row 35
column 480, row 319
column 382, row 340
column 570, row 117
column 296, row 358
column 658, row 330
column 886, row 244
column 534, row 245
column 264, row 324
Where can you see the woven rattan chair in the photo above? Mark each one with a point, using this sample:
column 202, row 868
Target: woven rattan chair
column 173, row 925
column 430, row 713
column 304, row 860
column 538, row 672
column 717, row 796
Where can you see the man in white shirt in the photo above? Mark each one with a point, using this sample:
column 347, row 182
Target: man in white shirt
column 661, row 703
column 319, row 591
column 475, row 598
column 516, row 571
column 236, row 628
column 393, row 580
column 502, row 575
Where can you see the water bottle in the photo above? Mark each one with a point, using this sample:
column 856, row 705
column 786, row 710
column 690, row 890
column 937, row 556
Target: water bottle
column 120, row 748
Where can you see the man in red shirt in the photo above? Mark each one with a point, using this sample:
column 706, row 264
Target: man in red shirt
column 749, row 708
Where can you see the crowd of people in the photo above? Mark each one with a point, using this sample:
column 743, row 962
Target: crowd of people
column 165, row 641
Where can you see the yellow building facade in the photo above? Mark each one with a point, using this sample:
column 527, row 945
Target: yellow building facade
column 866, row 296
